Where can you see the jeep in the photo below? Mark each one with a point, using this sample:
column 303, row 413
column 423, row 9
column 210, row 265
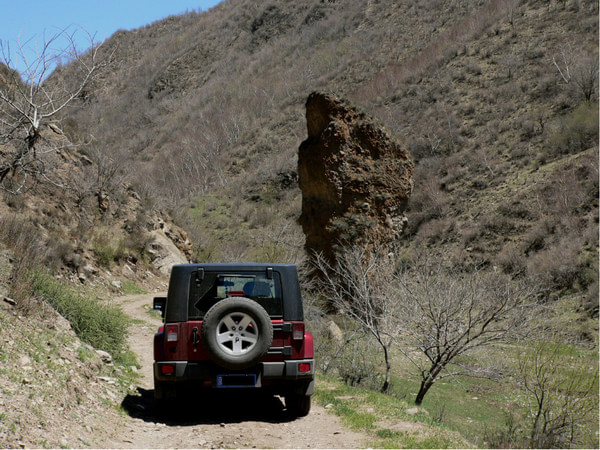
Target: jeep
column 234, row 326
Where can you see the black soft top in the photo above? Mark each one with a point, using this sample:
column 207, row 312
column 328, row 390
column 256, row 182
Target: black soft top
column 182, row 275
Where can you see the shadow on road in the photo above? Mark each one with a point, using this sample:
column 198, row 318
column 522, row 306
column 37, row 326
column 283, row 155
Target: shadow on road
column 207, row 408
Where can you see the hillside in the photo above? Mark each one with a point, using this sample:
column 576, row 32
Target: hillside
column 200, row 117
column 506, row 150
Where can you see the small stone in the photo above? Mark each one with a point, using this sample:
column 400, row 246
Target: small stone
column 10, row 301
column 108, row 380
column 105, row 356
column 90, row 269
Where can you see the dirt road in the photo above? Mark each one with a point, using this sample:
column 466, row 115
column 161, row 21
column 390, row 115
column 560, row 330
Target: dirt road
column 216, row 422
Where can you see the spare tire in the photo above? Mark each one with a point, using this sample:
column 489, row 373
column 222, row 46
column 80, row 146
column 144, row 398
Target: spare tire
column 237, row 332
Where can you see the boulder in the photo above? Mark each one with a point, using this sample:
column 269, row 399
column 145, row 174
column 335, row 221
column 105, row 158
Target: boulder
column 164, row 252
column 354, row 177
column 176, row 234
column 335, row 333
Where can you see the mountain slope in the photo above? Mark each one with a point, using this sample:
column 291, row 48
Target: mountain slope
column 206, row 111
column 203, row 114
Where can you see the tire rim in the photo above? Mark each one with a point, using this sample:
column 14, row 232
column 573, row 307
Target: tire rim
column 237, row 333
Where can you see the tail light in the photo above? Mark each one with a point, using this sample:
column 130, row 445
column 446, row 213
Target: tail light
column 304, row 367
column 172, row 333
column 298, row 331
column 167, row 369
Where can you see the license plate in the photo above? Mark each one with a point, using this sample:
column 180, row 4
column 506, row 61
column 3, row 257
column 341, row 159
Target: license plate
column 236, row 380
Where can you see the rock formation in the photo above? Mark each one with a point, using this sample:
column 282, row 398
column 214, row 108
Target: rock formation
column 169, row 245
column 355, row 178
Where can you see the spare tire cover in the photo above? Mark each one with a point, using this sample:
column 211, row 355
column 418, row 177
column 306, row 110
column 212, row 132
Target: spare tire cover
column 237, row 332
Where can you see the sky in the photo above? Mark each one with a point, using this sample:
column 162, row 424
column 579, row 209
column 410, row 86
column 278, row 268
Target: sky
column 28, row 21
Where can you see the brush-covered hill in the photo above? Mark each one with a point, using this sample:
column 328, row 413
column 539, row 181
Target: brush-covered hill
column 202, row 115
column 496, row 101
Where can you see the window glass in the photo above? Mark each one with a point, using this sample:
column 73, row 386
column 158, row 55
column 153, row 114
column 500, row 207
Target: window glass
column 254, row 285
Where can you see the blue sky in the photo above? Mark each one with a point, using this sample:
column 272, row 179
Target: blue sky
column 31, row 20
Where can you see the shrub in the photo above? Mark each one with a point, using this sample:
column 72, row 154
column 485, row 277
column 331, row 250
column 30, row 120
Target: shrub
column 560, row 396
column 590, row 302
column 63, row 252
column 101, row 325
column 511, row 260
column 357, row 363
column 104, row 251
column 133, row 245
column 535, row 239
column 436, row 231
column 428, row 202
column 23, row 238
column 558, row 267
column 576, row 132
column 28, row 250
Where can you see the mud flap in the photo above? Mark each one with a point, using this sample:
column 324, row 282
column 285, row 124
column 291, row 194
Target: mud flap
column 310, row 389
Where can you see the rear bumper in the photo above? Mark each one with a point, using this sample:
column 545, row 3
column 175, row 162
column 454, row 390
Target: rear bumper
column 205, row 373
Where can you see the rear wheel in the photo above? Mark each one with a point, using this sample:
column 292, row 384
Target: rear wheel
column 298, row 405
column 164, row 393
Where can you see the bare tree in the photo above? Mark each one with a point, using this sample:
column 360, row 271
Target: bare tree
column 279, row 242
column 585, row 75
column 560, row 397
column 579, row 68
column 564, row 62
column 360, row 285
column 447, row 315
column 432, row 315
column 31, row 100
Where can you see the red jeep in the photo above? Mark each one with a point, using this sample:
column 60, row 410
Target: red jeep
column 234, row 326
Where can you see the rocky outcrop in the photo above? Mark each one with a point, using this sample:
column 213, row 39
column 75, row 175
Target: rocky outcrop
column 169, row 245
column 355, row 178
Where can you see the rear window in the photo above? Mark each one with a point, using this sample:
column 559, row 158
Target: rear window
column 218, row 286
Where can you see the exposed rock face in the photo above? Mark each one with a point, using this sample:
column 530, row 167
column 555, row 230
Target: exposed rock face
column 355, row 178
column 170, row 245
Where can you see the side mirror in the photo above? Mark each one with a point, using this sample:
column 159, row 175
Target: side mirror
column 159, row 304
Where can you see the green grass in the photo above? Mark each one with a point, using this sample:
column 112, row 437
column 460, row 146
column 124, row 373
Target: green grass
column 378, row 414
column 464, row 404
column 577, row 130
column 154, row 313
column 480, row 410
column 231, row 227
column 99, row 324
column 220, row 214
column 105, row 250
column 217, row 218
column 132, row 288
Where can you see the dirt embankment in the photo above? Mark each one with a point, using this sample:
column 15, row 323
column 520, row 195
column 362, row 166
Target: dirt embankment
column 216, row 422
